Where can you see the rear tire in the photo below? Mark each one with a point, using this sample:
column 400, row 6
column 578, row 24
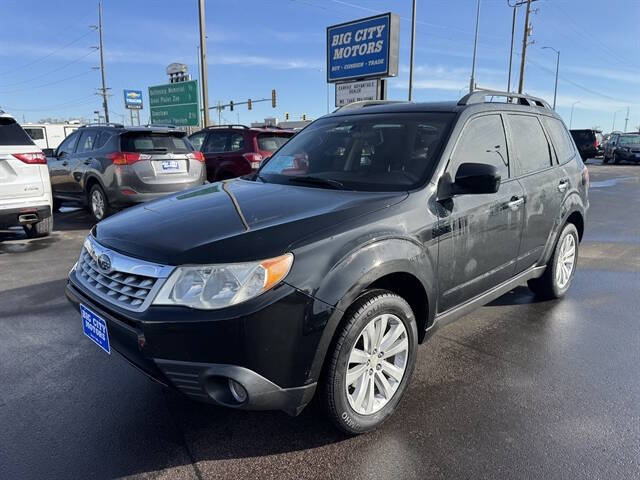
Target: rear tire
column 605, row 159
column 616, row 159
column 377, row 321
column 558, row 276
column 40, row 229
column 98, row 203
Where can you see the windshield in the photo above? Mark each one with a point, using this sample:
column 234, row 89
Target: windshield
column 629, row 140
column 154, row 142
column 376, row 152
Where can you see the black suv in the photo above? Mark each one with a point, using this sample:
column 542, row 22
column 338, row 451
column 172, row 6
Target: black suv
column 348, row 248
column 107, row 167
column 588, row 142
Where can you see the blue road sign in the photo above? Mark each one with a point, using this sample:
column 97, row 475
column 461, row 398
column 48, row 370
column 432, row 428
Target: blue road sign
column 364, row 48
column 133, row 99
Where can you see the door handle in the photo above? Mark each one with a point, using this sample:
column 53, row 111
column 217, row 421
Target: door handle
column 515, row 203
column 563, row 185
column 65, row 163
column 87, row 162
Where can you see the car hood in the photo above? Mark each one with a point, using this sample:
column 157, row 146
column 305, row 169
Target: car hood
column 232, row 221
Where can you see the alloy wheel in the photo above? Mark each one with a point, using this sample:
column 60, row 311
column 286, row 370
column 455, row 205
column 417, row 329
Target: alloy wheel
column 97, row 204
column 377, row 363
column 566, row 261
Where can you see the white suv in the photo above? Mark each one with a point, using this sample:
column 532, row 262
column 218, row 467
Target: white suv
column 25, row 188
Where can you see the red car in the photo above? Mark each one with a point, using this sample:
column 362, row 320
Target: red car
column 234, row 150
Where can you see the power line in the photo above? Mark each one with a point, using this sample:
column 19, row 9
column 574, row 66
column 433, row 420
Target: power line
column 48, row 84
column 72, row 62
column 52, row 52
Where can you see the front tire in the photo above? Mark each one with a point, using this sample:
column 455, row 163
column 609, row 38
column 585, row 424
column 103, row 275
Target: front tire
column 558, row 276
column 616, row 159
column 371, row 362
column 98, row 203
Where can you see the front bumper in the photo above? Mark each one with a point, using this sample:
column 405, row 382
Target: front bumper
column 11, row 217
column 267, row 347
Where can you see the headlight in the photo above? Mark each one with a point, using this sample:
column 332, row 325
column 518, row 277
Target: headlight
column 210, row 287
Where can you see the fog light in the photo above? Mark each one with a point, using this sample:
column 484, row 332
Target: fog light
column 238, row 391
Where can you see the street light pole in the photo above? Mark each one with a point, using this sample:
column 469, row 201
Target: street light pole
column 413, row 35
column 613, row 125
column 626, row 120
column 571, row 120
column 203, row 63
column 105, row 106
column 472, row 81
column 555, row 90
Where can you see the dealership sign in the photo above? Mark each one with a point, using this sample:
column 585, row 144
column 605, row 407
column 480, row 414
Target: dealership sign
column 365, row 48
column 175, row 104
column 350, row 92
column 133, row 99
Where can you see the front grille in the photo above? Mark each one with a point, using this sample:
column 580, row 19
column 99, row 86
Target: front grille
column 128, row 283
column 124, row 289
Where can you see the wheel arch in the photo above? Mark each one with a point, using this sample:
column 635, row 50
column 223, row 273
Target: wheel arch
column 400, row 266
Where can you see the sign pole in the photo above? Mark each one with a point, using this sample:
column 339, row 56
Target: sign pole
column 413, row 35
column 203, row 64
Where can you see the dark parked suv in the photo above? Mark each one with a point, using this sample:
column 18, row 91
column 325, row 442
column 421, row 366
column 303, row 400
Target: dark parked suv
column 588, row 142
column 107, row 167
column 348, row 248
column 234, row 150
column 622, row 146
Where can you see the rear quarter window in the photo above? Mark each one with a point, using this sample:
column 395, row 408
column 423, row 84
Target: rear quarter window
column 560, row 138
column 12, row 134
column 530, row 143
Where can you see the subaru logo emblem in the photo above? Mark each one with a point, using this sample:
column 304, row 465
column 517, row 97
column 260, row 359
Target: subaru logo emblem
column 104, row 263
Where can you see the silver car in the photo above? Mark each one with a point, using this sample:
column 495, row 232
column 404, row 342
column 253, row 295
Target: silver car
column 108, row 167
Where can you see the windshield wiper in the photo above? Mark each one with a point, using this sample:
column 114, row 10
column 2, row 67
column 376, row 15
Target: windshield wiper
column 261, row 178
column 317, row 181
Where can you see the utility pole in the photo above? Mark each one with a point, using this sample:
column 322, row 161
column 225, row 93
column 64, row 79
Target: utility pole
column 203, row 64
column 413, row 35
column 472, row 81
column 104, row 87
column 626, row 120
column 527, row 31
column 572, row 106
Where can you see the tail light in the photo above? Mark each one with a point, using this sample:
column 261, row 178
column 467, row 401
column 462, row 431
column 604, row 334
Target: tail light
column 35, row 158
column 595, row 143
column 196, row 156
column 123, row 158
column 254, row 159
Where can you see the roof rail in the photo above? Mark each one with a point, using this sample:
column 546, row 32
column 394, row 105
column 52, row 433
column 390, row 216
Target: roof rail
column 367, row 103
column 227, row 126
column 157, row 125
column 102, row 124
column 479, row 96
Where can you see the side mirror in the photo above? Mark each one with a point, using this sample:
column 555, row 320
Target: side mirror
column 49, row 152
column 476, row 178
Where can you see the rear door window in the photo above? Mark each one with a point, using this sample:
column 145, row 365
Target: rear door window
column 87, row 139
column 197, row 139
column 236, row 142
column 216, row 142
column 482, row 141
column 154, row 142
column 12, row 134
column 270, row 142
column 102, row 140
column 530, row 143
column 560, row 138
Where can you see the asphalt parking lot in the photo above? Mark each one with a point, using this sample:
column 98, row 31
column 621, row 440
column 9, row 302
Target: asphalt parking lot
column 518, row 389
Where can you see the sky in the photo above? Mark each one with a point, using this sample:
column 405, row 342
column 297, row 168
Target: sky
column 47, row 63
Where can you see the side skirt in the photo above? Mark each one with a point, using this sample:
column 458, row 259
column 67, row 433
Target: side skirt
column 484, row 298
